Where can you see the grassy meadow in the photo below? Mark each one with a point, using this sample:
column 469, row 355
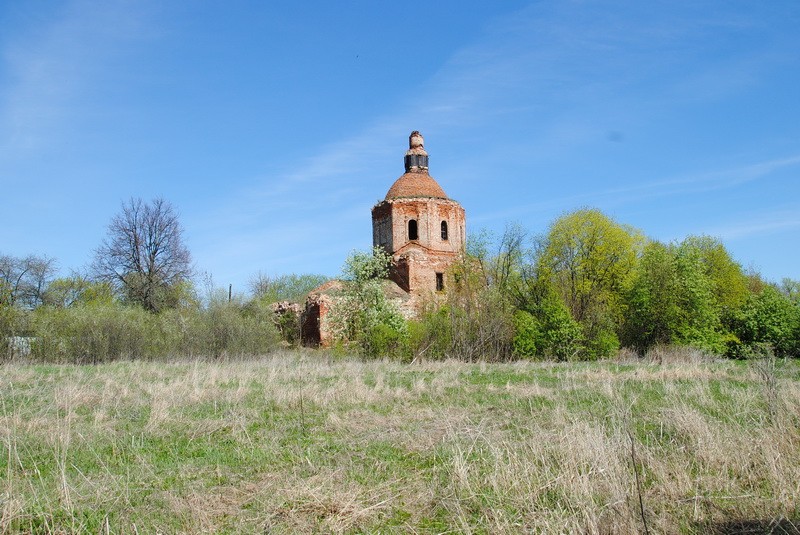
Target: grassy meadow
column 307, row 442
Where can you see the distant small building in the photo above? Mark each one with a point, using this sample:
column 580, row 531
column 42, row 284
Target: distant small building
column 422, row 229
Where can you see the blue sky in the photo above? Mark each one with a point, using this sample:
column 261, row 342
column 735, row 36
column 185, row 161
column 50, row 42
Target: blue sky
column 273, row 128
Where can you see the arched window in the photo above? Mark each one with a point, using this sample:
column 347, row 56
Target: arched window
column 412, row 229
column 444, row 230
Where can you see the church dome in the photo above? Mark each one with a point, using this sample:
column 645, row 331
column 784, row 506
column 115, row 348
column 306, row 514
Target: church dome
column 416, row 182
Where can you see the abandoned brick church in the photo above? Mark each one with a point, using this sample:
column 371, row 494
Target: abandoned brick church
column 422, row 229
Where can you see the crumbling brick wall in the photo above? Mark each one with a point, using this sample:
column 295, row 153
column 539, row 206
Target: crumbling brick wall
column 420, row 227
column 417, row 259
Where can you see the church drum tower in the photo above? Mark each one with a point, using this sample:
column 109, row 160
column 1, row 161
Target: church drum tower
column 419, row 226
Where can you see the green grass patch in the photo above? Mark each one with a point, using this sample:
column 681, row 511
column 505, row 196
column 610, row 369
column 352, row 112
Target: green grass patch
column 292, row 443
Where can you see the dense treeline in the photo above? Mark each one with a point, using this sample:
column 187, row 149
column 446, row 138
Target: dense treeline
column 138, row 300
column 585, row 289
column 86, row 321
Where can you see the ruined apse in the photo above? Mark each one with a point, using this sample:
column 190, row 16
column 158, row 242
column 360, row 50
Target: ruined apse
column 419, row 226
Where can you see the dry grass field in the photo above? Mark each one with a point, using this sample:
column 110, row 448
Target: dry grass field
column 304, row 442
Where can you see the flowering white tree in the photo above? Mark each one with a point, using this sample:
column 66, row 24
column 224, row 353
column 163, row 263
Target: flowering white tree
column 361, row 313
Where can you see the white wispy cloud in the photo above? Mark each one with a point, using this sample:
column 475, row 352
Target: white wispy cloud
column 688, row 184
column 704, row 181
column 759, row 225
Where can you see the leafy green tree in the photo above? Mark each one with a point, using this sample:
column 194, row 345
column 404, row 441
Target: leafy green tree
column 721, row 289
column 588, row 260
column 527, row 335
column 768, row 318
column 673, row 300
column 729, row 283
column 653, row 309
column 698, row 323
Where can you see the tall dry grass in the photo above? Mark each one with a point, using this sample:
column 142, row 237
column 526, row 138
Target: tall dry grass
column 302, row 443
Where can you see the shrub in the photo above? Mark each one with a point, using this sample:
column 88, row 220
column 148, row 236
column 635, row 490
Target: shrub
column 547, row 331
column 108, row 332
column 386, row 340
column 431, row 337
column 528, row 337
column 10, row 319
column 767, row 318
column 91, row 334
column 228, row 329
column 481, row 324
column 601, row 344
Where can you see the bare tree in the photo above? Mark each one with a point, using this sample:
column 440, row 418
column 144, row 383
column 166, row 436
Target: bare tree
column 144, row 256
column 23, row 280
